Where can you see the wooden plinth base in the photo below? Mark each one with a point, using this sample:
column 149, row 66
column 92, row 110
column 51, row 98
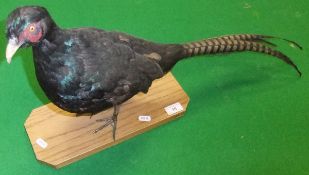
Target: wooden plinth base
column 59, row 138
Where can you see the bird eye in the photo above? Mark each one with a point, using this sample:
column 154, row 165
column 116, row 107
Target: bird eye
column 32, row 28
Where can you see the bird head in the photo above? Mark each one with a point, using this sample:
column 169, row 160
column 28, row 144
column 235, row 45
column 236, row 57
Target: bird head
column 26, row 26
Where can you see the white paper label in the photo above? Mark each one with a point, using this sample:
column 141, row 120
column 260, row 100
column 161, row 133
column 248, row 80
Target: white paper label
column 173, row 109
column 41, row 143
column 144, row 118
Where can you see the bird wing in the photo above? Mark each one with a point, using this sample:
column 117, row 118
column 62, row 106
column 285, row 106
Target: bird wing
column 111, row 69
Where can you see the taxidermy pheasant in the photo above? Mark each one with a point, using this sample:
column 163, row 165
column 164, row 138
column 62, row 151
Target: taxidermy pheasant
column 86, row 70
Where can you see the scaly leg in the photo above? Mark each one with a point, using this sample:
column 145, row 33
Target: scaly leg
column 110, row 121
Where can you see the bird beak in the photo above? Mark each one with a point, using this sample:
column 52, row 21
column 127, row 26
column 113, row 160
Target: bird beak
column 11, row 48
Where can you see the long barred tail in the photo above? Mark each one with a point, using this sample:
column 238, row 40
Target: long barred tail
column 238, row 43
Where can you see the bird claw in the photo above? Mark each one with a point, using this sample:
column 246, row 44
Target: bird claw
column 108, row 121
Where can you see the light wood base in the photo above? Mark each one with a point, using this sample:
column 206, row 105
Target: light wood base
column 71, row 138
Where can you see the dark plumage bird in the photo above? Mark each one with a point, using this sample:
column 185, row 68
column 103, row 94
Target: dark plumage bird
column 86, row 70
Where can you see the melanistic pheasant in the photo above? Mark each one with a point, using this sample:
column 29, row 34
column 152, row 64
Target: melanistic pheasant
column 86, row 70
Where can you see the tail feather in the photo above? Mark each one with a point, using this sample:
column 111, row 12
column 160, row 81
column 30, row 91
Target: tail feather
column 238, row 43
column 260, row 38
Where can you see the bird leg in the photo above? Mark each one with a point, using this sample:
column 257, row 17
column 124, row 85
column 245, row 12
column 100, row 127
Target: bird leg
column 110, row 121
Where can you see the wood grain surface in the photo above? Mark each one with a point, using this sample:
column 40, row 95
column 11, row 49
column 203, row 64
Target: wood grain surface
column 70, row 138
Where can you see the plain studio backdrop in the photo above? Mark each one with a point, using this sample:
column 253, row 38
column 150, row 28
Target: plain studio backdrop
column 248, row 112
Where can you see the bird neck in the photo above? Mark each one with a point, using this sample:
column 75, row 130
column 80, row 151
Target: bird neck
column 49, row 43
column 51, row 28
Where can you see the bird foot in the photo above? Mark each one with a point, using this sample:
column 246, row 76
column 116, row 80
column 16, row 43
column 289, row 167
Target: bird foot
column 112, row 121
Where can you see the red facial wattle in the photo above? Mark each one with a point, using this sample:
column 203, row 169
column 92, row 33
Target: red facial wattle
column 31, row 33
